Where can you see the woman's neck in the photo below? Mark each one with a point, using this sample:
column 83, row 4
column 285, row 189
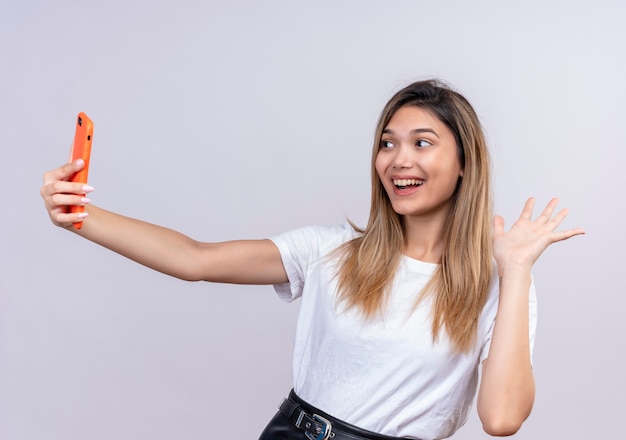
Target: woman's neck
column 423, row 238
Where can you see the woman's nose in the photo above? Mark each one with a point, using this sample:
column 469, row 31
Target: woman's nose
column 403, row 158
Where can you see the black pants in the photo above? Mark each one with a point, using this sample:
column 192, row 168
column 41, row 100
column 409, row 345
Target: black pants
column 297, row 420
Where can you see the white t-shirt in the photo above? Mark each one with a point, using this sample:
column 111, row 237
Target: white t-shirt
column 384, row 374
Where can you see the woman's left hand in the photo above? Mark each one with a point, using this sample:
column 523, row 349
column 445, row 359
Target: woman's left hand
column 527, row 239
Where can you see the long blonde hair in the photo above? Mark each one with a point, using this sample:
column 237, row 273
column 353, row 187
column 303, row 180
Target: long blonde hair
column 460, row 284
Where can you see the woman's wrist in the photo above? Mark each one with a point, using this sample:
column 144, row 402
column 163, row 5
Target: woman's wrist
column 514, row 268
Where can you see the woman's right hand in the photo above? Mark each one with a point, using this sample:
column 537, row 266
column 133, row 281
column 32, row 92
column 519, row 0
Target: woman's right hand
column 59, row 193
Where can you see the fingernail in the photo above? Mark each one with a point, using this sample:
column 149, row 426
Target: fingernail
column 87, row 188
column 82, row 215
column 80, row 162
column 85, row 200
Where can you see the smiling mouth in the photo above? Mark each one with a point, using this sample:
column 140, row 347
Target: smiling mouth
column 407, row 183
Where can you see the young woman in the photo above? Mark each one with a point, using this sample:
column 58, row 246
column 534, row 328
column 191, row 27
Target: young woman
column 396, row 318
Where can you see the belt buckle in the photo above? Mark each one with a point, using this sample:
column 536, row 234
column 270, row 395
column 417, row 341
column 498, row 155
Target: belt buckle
column 325, row 432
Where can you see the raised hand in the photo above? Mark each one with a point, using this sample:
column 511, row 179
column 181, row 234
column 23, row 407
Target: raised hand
column 58, row 193
column 524, row 243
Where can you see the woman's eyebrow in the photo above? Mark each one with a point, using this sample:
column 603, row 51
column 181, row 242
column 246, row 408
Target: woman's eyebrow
column 415, row 131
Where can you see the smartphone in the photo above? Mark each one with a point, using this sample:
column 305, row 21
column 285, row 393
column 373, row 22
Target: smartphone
column 81, row 149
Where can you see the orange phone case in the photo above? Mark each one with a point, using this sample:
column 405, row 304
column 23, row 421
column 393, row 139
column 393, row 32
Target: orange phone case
column 81, row 149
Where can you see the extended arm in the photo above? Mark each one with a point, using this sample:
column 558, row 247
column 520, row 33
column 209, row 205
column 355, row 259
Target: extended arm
column 507, row 390
column 162, row 249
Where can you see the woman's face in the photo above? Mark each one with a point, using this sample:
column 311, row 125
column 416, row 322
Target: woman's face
column 418, row 163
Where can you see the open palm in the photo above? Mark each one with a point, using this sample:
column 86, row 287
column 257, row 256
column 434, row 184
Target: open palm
column 524, row 243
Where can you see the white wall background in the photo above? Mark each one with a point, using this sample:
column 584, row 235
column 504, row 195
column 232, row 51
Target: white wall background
column 243, row 119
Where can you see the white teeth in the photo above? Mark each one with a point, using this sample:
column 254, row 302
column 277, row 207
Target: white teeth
column 407, row 182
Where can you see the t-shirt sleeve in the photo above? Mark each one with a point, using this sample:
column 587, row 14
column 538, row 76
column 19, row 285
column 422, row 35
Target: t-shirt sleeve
column 532, row 324
column 300, row 248
column 295, row 250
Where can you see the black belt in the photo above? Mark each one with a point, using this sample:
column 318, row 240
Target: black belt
column 317, row 425
column 314, row 426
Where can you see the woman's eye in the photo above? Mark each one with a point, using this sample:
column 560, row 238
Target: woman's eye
column 422, row 143
column 386, row 144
